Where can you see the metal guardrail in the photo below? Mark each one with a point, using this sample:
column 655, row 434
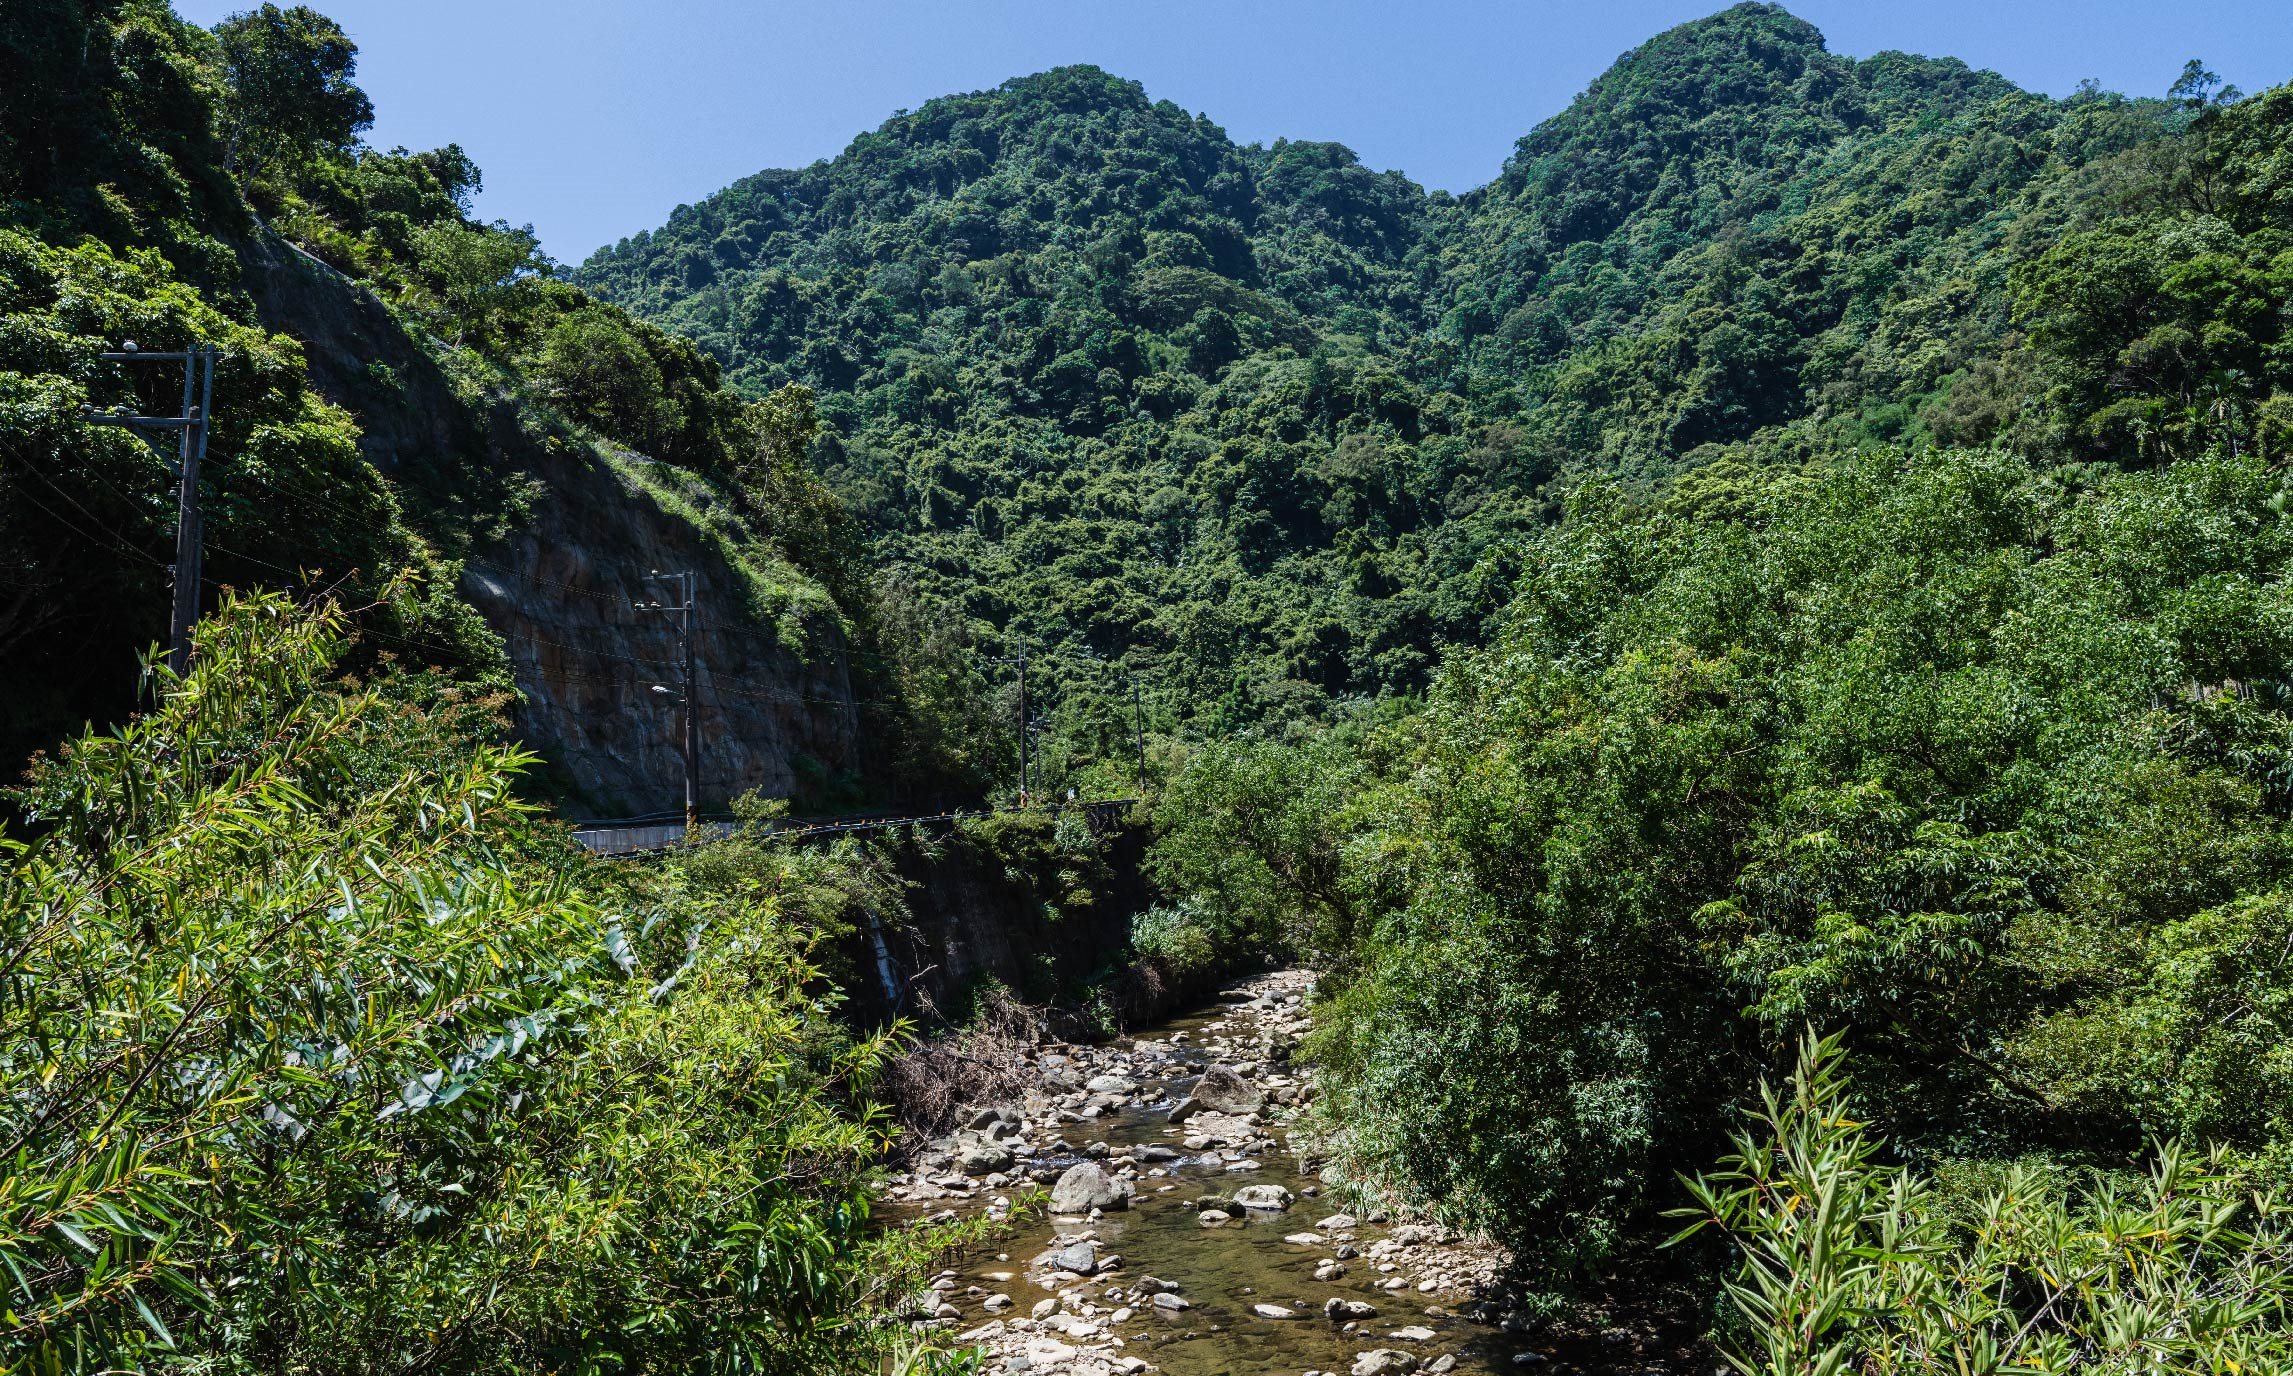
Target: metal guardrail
column 642, row 836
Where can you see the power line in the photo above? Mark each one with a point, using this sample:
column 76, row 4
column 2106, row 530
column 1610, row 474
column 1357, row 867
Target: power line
column 112, row 540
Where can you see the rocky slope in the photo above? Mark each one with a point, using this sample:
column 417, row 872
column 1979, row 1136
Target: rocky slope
column 560, row 531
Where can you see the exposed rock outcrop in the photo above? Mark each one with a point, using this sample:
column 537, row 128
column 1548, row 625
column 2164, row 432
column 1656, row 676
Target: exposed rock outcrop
column 560, row 532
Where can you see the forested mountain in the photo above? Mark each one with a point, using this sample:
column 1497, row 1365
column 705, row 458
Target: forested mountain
column 1832, row 509
column 411, row 410
column 1260, row 426
column 1799, row 559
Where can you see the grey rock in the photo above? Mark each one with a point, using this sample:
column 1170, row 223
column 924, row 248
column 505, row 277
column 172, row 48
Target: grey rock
column 1271, row 1199
column 1167, row 1300
column 984, row 1158
column 1082, row 1258
column 1220, row 1090
column 1087, row 1186
column 1383, row 1361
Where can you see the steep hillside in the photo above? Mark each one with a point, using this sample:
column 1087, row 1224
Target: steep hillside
column 1116, row 388
column 1734, row 230
column 1261, row 429
column 417, row 417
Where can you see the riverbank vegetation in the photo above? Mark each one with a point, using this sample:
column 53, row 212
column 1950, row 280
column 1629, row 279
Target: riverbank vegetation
column 331, row 1056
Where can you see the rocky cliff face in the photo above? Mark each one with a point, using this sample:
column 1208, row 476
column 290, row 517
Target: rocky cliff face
column 774, row 681
column 560, row 532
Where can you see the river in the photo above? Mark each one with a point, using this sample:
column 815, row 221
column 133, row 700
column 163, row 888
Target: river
column 1181, row 1279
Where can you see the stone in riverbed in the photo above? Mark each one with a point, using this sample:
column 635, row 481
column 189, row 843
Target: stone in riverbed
column 1220, row 1090
column 1303, row 1239
column 1415, row 1333
column 1167, row 1300
column 1349, row 1309
column 985, row 1159
column 1273, row 1311
column 1337, row 1223
column 1087, row 1186
column 1109, row 1084
column 1383, row 1361
column 1082, row 1258
column 1211, row 1218
column 1265, row 1198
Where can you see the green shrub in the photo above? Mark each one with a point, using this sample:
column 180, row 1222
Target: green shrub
column 325, row 1056
column 1853, row 1265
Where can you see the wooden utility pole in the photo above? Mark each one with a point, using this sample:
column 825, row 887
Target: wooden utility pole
column 190, row 451
column 688, row 586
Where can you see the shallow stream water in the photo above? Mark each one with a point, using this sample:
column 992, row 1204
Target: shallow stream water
column 1421, row 1283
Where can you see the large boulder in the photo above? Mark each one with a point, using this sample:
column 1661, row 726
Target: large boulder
column 984, row 1158
column 1087, row 1186
column 1264, row 1198
column 1220, row 1090
column 1383, row 1361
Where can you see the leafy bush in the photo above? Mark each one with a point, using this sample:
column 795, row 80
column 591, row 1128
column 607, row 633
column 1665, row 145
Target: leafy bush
column 1852, row 1265
column 327, row 1056
column 1179, row 936
column 1248, row 835
column 1989, row 770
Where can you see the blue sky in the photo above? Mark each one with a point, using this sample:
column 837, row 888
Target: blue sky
column 593, row 118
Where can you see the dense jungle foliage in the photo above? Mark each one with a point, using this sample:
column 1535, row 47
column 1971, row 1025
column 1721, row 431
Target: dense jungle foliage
column 1805, row 547
column 1977, row 755
column 1261, row 430
column 328, row 1054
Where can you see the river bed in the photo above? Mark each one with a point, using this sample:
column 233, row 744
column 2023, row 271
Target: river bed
column 1179, row 1277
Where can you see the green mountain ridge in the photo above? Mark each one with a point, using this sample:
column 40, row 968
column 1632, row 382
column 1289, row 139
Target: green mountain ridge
column 1259, row 426
column 1802, row 557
